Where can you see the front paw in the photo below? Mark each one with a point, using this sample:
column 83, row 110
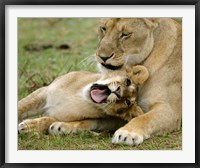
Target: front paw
column 56, row 128
column 61, row 128
column 127, row 137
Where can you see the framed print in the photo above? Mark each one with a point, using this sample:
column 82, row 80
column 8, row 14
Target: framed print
column 107, row 84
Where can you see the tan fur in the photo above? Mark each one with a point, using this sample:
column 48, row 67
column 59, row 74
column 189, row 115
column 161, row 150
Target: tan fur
column 67, row 106
column 157, row 44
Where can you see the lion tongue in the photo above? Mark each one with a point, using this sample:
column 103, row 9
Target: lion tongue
column 98, row 95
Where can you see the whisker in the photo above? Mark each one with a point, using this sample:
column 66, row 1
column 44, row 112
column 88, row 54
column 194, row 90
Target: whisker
column 88, row 61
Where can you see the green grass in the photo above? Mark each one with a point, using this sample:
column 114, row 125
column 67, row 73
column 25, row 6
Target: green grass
column 93, row 141
column 37, row 67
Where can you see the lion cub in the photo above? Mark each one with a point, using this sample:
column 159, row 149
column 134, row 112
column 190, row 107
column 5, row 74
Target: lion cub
column 83, row 101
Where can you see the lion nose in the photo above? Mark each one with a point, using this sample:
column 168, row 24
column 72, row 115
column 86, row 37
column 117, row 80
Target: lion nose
column 117, row 92
column 105, row 58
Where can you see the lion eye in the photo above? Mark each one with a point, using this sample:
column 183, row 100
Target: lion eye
column 127, row 102
column 125, row 35
column 128, row 82
column 103, row 29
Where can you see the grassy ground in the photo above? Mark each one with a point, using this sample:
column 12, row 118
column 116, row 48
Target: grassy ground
column 51, row 47
column 93, row 141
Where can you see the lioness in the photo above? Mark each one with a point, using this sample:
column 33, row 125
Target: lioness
column 83, row 101
column 155, row 43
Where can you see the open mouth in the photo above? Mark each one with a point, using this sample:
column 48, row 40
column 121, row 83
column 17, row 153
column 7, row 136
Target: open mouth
column 112, row 67
column 99, row 93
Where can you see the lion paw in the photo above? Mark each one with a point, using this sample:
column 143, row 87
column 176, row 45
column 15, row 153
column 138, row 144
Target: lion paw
column 22, row 128
column 26, row 126
column 126, row 137
column 60, row 128
column 56, row 129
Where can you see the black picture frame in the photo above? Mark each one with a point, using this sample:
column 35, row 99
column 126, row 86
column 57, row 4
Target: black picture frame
column 3, row 4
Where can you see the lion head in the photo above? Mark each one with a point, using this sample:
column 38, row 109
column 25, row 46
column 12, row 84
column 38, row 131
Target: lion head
column 116, row 92
column 123, row 38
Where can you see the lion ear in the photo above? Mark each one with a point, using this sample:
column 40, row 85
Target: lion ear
column 139, row 74
column 150, row 23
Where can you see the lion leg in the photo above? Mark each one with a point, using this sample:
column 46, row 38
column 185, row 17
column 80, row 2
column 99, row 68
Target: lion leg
column 111, row 123
column 32, row 105
column 39, row 125
column 159, row 119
